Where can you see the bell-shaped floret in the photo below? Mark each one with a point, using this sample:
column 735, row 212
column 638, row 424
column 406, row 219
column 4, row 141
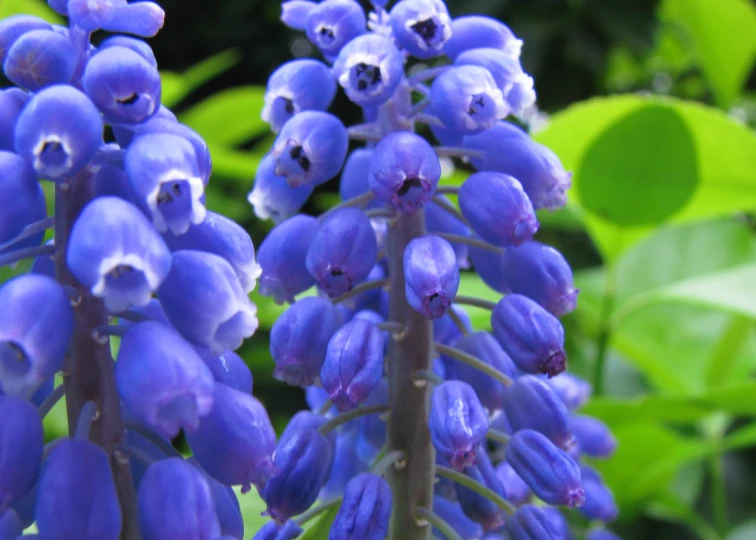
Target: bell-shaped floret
column 40, row 58
column 310, row 148
column 484, row 346
column 47, row 139
column 272, row 197
column 294, row 14
column 369, row 68
column 111, row 181
column 531, row 523
column 437, row 220
column 162, row 379
column 123, row 84
column 571, row 389
column 228, row 368
column 117, row 254
column 485, row 262
column 593, row 437
column 143, row 19
column 21, row 443
column 477, row 507
column 12, row 28
column 282, row 257
column 137, row 45
column 91, row 15
column 451, row 512
column 467, row 100
column 299, row 340
column 515, row 490
column 532, row 336
column 303, row 461
column 226, row 506
column 163, row 170
column 224, row 237
column 599, row 502
column 22, row 201
column 365, row 509
column 343, row 251
column 331, row 24
column 203, row 299
column 77, row 495
column 530, row 403
column 444, row 329
column 421, row 27
column 176, row 503
column 508, row 149
column 235, row 441
column 404, row 171
column 542, row 274
column 296, row 86
column 431, row 275
column 515, row 84
column 36, row 323
column 290, row 529
column 550, row 472
column 349, row 463
column 354, row 176
column 353, row 365
column 498, row 209
column 458, row 423
column 12, row 101
column 476, row 31
column 371, row 428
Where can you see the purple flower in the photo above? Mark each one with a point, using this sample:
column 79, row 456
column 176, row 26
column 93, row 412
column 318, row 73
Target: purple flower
column 12, row 101
column 531, row 523
column 421, row 27
column 12, row 28
column 599, row 502
column 272, row 530
column 40, row 58
column 369, row 68
column 331, row 24
column 515, row 490
column 137, row 45
column 477, row 507
column 294, row 13
column 21, row 443
column 476, row 31
column 228, row 368
column 572, row 390
column 452, row 513
column 431, row 275
column 272, row 197
column 21, row 198
column 365, row 510
column 438, row 220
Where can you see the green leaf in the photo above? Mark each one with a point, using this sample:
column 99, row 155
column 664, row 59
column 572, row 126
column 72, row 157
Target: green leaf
column 176, row 86
column 723, row 36
column 471, row 285
column 744, row 531
column 267, row 310
column 727, row 348
column 743, row 437
column 229, row 117
column 605, row 142
column 672, row 409
column 319, row 527
column 252, row 506
column 38, row 8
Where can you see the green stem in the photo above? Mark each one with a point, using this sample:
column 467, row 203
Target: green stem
column 436, row 520
column 605, row 330
column 477, row 487
column 343, row 418
column 315, row 511
column 470, row 241
column 473, row 301
column 497, row 436
column 475, row 362
column 362, row 287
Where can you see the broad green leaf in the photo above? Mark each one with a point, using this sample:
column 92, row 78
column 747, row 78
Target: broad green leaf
column 745, row 531
column 472, row 285
column 173, row 88
column 670, row 507
column 176, row 86
column 38, row 8
column 603, row 140
column 229, row 117
column 673, row 409
column 741, row 438
column 267, row 310
column 723, row 35
column 727, row 348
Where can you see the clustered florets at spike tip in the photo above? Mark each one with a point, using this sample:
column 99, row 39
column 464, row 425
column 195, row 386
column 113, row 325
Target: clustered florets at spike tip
column 173, row 279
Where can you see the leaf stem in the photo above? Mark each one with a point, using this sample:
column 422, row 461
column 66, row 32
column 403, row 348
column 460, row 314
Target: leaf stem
column 51, row 400
column 474, row 301
column 477, row 487
column 458, row 322
column 449, row 208
column 362, row 287
column 470, row 241
column 394, row 458
column 458, row 151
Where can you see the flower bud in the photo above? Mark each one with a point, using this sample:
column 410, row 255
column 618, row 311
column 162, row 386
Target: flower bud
column 508, row 149
column 282, row 257
column 137, row 45
column 446, row 332
column 483, row 346
column 111, row 181
column 486, row 265
column 299, row 340
column 542, row 274
column 530, row 403
column 12, row 101
column 372, row 429
column 91, row 15
column 571, row 389
column 12, row 28
column 477, row 507
column 47, row 139
column 226, row 506
column 553, row 475
column 354, row 176
column 21, row 443
column 343, row 251
column 303, row 460
column 224, row 237
column 294, row 13
column 36, row 323
column 353, row 365
column 235, row 441
column 142, row 19
column 22, row 200
column 40, row 58
column 458, row 423
column 532, row 336
column 593, row 436
column 163, row 170
column 171, row 488
column 369, row 68
column 204, row 300
column 162, row 379
column 272, row 198
column 530, row 523
column 559, row 522
column 515, row 490
column 77, row 495
column 421, row 27
column 431, row 275
column 333, row 23
column 349, row 462
column 476, row 31
column 599, row 502
column 116, row 253
column 310, row 148
column 404, row 170
column 164, row 121
column 272, row 530
column 228, row 368
column 365, row 510
column 296, row 86
column 123, row 85
column 467, row 100
column 498, row 209
column 452, row 513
